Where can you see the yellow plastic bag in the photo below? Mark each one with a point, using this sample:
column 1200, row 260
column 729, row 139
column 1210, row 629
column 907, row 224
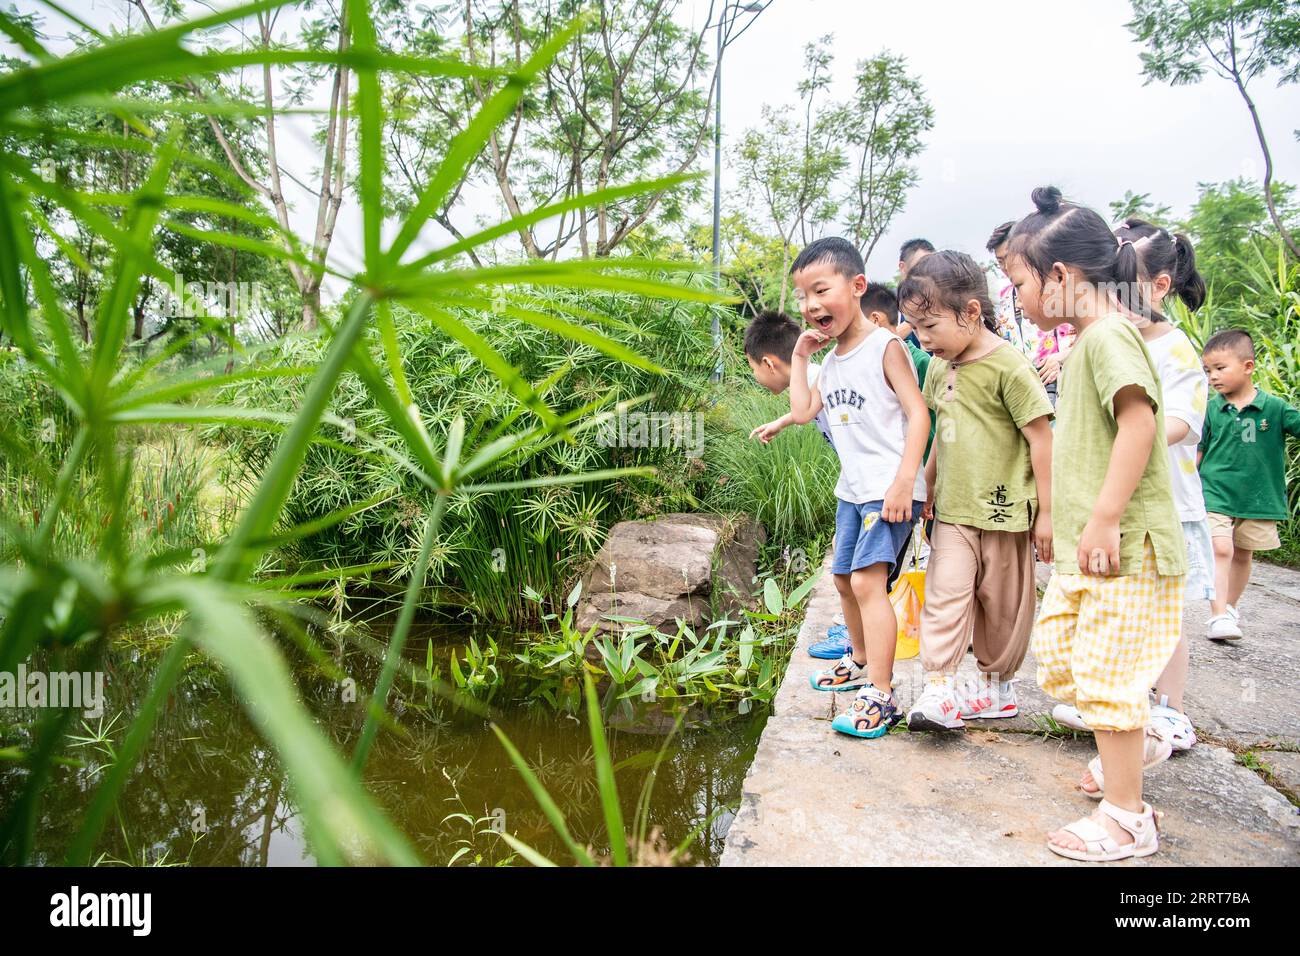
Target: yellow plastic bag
column 907, row 597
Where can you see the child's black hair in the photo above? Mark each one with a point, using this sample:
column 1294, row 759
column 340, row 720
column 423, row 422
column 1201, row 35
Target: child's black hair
column 1161, row 253
column 999, row 236
column 1236, row 341
column 880, row 298
column 840, row 253
column 1077, row 237
column 913, row 246
column 945, row 282
column 771, row 333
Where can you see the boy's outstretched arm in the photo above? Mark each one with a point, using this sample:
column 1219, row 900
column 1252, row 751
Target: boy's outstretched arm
column 766, row 432
column 1136, row 435
column 1039, row 435
column 805, row 402
column 902, row 379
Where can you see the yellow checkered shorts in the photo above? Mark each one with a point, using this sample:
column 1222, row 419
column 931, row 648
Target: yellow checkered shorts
column 1101, row 642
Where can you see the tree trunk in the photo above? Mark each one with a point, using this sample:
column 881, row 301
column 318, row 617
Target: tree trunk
column 311, row 308
column 1268, row 169
column 81, row 318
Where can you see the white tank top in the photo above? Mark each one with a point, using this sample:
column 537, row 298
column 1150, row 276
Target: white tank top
column 867, row 423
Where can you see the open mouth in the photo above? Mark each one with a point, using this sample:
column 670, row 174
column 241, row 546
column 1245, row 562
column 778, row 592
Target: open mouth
column 823, row 323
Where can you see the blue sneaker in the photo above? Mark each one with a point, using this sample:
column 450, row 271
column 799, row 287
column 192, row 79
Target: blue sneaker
column 872, row 714
column 836, row 645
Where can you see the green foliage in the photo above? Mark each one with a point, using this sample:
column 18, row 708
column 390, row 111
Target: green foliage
column 1188, row 38
column 1139, row 205
column 1229, row 223
column 494, row 545
column 1266, row 304
column 788, row 485
column 68, row 600
column 628, row 101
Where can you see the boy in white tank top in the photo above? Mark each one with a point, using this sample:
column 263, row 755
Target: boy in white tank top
column 879, row 424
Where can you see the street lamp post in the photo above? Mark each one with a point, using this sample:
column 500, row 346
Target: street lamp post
column 754, row 8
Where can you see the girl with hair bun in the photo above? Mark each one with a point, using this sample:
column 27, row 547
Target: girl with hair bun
column 1111, row 617
column 1167, row 266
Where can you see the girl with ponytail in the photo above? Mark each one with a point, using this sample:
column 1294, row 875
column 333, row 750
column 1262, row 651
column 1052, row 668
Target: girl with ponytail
column 1167, row 265
column 1110, row 619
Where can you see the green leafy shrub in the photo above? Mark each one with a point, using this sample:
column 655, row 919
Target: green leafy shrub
column 495, row 544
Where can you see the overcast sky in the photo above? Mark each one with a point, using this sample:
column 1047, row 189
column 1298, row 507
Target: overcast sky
column 1025, row 92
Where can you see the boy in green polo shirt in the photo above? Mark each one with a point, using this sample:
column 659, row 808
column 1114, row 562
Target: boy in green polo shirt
column 1243, row 471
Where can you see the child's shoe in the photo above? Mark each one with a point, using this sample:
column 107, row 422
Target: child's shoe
column 835, row 646
column 1068, row 715
column 847, row 674
column 1224, row 627
column 1100, row 846
column 937, row 707
column 1172, row 725
column 987, row 699
column 872, row 714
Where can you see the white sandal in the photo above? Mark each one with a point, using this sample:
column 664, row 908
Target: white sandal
column 1100, row 846
column 1156, row 750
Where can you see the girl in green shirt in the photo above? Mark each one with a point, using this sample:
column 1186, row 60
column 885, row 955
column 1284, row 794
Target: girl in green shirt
column 1111, row 616
column 989, row 481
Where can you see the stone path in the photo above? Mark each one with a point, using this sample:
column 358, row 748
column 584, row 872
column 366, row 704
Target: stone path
column 816, row 797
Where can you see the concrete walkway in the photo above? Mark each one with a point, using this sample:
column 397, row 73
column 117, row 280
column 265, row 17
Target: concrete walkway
column 816, row 797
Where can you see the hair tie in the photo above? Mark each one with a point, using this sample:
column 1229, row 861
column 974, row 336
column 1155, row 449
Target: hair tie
column 1124, row 242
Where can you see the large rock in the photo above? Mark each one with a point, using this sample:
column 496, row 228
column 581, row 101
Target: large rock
column 699, row 568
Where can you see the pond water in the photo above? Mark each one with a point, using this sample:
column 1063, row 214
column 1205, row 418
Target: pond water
column 209, row 791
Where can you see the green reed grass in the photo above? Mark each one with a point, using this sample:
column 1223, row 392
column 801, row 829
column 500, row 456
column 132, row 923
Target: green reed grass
column 114, row 586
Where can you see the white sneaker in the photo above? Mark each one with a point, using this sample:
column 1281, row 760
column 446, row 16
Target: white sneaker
column 1224, row 627
column 987, row 699
column 1173, row 725
column 937, row 707
column 847, row 674
column 1068, row 716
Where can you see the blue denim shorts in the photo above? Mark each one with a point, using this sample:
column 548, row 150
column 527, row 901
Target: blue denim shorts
column 863, row 538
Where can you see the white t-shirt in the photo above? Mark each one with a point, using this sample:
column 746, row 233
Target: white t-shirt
column 820, row 421
column 867, row 424
column 1182, row 382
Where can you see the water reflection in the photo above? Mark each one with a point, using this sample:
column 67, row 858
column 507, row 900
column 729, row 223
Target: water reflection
column 209, row 791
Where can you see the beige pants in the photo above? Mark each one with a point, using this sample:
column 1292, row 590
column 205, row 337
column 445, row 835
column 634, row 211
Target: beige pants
column 979, row 584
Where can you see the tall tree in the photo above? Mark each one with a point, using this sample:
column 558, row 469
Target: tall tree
column 830, row 159
column 883, row 127
column 788, row 165
column 1236, row 39
column 326, row 31
column 628, row 99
